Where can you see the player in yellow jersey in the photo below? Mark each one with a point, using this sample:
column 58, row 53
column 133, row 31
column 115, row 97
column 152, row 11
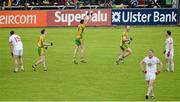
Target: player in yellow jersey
column 125, row 42
column 79, row 43
column 42, row 45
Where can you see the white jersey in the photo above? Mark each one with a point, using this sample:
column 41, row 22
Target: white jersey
column 151, row 64
column 16, row 42
column 169, row 41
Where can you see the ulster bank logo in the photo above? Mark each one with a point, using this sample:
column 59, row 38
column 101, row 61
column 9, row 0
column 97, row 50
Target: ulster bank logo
column 116, row 16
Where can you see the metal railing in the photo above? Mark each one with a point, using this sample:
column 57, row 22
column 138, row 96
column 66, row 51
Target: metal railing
column 60, row 7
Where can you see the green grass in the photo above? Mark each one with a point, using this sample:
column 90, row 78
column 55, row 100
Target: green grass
column 100, row 79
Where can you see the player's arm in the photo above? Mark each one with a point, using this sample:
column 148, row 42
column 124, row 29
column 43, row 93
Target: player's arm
column 11, row 48
column 161, row 67
column 47, row 44
column 142, row 66
column 87, row 18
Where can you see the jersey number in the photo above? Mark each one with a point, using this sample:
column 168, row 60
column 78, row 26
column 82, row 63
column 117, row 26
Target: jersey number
column 18, row 39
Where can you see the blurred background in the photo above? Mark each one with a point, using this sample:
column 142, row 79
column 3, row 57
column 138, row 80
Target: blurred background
column 83, row 4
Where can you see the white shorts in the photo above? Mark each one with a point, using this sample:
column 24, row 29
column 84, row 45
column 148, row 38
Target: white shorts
column 171, row 55
column 18, row 52
column 150, row 76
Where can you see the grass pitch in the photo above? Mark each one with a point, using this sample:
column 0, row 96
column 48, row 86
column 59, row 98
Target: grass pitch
column 100, row 79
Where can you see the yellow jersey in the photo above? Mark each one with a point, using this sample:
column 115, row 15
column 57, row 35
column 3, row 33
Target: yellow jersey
column 124, row 36
column 40, row 41
column 81, row 28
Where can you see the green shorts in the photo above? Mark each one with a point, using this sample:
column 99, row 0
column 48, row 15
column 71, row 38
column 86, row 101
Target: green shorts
column 78, row 41
column 41, row 51
column 124, row 47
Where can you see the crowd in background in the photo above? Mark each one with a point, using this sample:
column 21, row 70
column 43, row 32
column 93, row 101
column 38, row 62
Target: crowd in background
column 102, row 3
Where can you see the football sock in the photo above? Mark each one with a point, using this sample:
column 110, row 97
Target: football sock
column 167, row 66
column 172, row 66
column 16, row 69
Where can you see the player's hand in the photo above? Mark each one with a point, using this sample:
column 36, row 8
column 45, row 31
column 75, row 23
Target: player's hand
column 144, row 71
column 11, row 54
column 168, row 54
column 158, row 72
column 164, row 51
column 91, row 13
column 130, row 38
column 51, row 43
column 46, row 47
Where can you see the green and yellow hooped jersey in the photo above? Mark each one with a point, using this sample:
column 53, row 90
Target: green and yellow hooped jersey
column 40, row 41
column 81, row 29
column 124, row 35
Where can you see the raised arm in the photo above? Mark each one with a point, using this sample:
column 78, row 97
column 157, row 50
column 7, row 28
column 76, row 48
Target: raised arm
column 88, row 17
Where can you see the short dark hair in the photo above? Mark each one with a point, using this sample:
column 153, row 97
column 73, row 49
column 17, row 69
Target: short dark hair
column 82, row 21
column 151, row 50
column 169, row 32
column 42, row 31
column 12, row 32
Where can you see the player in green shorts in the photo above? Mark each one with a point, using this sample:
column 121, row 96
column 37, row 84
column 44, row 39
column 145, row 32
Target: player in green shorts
column 79, row 43
column 125, row 42
column 41, row 46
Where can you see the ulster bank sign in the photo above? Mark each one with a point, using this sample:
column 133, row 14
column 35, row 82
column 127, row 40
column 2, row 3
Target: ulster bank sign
column 144, row 17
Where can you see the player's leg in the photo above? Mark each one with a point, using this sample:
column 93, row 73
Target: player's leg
column 21, row 60
column 82, row 53
column 41, row 59
column 152, row 93
column 150, row 88
column 167, row 61
column 75, row 54
column 21, row 63
column 172, row 61
column 167, row 65
column 44, row 64
column 172, row 64
column 77, row 44
column 128, row 52
column 121, row 56
column 15, row 59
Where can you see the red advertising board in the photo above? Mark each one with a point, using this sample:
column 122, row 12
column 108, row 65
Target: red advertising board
column 72, row 17
column 42, row 18
column 23, row 18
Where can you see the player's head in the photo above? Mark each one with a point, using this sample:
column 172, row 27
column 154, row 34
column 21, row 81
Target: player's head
column 82, row 21
column 43, row 31
column 127, row 28
column 150, row 53
column 12, row 32
column 168, row 33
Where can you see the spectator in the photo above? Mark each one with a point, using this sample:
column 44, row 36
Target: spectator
column 134, row 3
column 174, row 5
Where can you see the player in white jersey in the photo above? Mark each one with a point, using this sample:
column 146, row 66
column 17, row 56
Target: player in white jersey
column 169, row 51
column 16, row 48
column 151, row 71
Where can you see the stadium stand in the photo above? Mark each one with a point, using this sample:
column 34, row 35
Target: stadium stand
column 83, row 4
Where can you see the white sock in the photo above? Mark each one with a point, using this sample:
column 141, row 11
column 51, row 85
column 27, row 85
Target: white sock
column 22, row 67
column 167, row 67
column 16, row 69
column 172, row 66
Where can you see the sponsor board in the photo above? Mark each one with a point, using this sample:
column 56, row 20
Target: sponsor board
column 73, row 17
column 22, row 18
column 144, row 17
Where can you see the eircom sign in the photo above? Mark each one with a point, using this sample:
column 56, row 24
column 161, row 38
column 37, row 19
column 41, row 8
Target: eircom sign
column 144, row 17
